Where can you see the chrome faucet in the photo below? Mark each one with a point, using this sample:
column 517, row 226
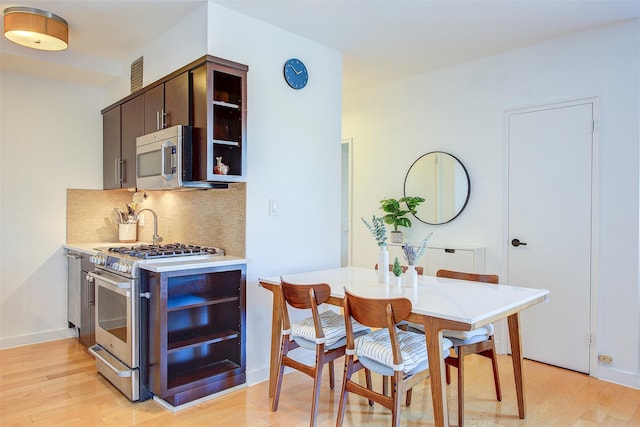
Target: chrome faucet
column 156, row 238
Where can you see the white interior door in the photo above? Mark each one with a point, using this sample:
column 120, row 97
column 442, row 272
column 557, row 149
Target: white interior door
column 549, row 211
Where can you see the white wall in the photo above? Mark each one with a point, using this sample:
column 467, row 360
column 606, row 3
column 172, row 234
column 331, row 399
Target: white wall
column 185, row 42
column 50, row 140
column 461, row 110
column 293, row 142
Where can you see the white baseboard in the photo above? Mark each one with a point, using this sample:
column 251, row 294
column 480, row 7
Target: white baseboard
column 257, row 376
column 616, row 376
column 37, row 338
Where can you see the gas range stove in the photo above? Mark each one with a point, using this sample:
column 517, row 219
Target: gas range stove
column 125, row 260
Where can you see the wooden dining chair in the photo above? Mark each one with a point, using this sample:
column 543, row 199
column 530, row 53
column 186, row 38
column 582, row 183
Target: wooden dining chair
column 478, row 341
column 323, row 333
column 404, row 325
column 388, row 351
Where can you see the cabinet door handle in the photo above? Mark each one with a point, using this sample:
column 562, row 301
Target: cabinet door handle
column 123, row 170
column 161, row 120
column 116, row 171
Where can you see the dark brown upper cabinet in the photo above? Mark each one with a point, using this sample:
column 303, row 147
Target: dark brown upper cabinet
column 167, row 104
column 219, row 93
column 209, row 94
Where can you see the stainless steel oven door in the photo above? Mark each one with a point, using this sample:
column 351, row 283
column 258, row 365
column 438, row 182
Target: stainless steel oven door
column 116, row 316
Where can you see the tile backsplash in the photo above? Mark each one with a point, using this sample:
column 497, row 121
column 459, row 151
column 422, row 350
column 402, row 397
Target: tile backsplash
column 215, row 217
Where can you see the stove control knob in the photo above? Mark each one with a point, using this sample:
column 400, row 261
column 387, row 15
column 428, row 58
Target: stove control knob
column 97, row 259
column 125, row 267
column 122, row 267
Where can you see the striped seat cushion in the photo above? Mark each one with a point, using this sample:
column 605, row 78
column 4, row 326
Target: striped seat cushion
column 332, row 324
column 376, row 347
column 460, row 337
column 469, row 337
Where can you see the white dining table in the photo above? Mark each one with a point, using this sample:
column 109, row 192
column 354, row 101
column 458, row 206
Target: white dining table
column 438, row 303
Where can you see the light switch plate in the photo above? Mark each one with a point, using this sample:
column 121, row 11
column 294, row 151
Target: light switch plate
column 274, row 207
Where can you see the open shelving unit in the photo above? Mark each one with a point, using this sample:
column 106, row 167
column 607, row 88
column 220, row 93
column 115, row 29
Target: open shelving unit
column 196, row 332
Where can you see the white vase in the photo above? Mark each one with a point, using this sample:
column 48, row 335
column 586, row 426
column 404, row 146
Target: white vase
column 398, row 280
column 412, row 276
column 383, row 265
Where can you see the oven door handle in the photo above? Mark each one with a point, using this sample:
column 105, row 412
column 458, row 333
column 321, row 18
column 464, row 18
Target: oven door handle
column 118, row 284
column 121, row 373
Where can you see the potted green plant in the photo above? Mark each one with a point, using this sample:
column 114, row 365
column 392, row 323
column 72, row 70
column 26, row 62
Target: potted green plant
column 396, row 216
column 397, row 270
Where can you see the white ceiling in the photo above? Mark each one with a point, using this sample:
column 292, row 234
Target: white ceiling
column 382, row 40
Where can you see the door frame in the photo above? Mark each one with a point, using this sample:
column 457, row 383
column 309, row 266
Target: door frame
column 503, row 341
column 347, row 210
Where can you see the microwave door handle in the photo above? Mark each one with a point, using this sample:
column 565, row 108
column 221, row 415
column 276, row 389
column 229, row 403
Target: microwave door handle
column 167, row 168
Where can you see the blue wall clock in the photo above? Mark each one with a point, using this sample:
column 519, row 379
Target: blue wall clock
column 295, row 73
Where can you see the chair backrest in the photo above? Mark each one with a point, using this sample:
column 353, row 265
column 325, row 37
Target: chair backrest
column 298, row 295
column 475, row 277
column 419, row 270
column 374, row 312
column 303, row 297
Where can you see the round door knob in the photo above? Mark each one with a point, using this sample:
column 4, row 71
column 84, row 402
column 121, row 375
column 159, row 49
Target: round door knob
column 517, row 242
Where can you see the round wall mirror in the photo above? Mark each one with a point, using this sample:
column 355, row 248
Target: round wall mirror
column 444, row 183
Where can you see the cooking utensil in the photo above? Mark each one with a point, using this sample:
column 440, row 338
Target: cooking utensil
column 115, row 216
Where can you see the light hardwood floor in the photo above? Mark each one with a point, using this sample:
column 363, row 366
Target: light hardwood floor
column 56, row 384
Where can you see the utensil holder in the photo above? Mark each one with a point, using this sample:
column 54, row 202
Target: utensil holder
column 128, row 233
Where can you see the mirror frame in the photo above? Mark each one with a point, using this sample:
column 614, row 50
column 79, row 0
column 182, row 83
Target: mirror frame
column 417, row 195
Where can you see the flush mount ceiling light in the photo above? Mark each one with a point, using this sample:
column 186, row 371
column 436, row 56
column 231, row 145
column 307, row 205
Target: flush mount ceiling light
column 35, row 28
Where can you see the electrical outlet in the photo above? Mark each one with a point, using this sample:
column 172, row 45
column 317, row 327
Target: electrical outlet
column 605, row 358
column 141, row 220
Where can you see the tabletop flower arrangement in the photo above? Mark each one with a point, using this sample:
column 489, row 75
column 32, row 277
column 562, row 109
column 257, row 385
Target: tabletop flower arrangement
column 377, row 229
column 412, row 253
column 379, row 232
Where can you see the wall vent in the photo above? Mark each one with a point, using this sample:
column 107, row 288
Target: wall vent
column 136, row 74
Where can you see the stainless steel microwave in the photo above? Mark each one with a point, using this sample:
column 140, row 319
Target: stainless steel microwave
column 163, row 159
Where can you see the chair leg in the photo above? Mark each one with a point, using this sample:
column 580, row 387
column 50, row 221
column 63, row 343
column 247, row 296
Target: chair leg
column 409, row 393
column 332, row 380
column 447, row 373
column 385, row 385
column 496, row 374
column 283, row 353
column 348, row 370
column 317, row 381
column 367, row 378
column 460, row 386
column 396, row 393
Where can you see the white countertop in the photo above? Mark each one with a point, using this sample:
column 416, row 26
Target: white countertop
column 90, row 248
column 163, row 265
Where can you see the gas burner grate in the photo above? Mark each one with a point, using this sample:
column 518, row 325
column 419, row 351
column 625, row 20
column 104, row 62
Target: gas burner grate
column 165, row 251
